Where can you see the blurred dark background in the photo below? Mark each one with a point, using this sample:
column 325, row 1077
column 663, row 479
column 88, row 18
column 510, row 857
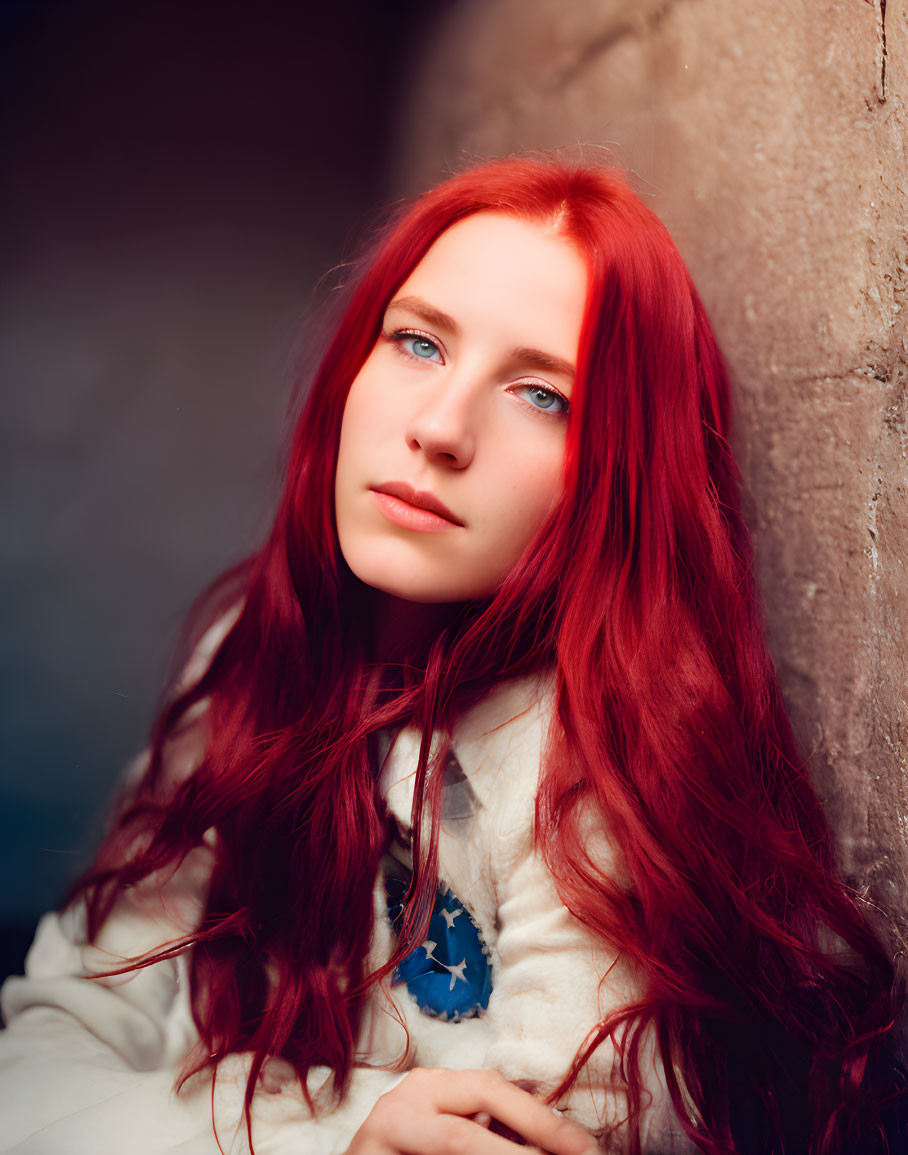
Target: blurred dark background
column 176, row 178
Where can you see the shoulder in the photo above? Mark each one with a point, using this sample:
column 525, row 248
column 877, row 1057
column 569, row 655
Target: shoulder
column 187, row 739
column 202, row 652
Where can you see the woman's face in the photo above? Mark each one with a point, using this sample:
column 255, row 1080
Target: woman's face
column 452, row 443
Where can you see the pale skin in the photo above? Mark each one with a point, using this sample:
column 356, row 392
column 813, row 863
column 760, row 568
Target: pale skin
column 436, row 1112
column 464, row 399
column 451, row 459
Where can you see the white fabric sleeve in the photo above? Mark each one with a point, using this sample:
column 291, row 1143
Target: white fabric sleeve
column 80, row 1050
column 88, row 1065
column 89, row 1062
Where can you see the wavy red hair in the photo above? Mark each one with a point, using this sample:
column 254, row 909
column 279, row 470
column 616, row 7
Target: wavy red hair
column 639, row 593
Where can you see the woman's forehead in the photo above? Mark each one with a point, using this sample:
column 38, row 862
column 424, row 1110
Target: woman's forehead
column 492, row 270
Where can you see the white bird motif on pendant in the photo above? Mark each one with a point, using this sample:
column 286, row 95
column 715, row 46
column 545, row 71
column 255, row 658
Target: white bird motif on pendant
column 456, row 973
column 450, row 915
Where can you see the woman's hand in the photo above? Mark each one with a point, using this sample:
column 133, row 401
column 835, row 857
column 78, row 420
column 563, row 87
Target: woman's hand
column 448, row 1112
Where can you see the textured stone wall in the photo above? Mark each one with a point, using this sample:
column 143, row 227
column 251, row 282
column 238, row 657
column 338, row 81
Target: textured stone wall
column 771, row 138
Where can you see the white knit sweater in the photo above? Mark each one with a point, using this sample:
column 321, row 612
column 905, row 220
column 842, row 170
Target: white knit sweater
column 88, row 1065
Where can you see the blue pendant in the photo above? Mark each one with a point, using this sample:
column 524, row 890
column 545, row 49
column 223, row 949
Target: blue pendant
column 450, row 974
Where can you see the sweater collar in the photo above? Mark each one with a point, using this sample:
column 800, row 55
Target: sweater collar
column 505, row 730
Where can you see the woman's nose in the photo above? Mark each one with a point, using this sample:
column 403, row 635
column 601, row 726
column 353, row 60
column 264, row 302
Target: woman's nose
column 444, row 429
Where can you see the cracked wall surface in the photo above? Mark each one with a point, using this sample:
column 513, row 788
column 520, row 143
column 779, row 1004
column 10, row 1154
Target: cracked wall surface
column 771, row 139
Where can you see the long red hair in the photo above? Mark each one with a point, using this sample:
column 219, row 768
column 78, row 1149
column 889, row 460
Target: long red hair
column 639, row 593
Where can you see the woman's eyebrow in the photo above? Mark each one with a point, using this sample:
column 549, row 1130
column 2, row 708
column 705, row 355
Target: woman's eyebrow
column 545, row 361
column 526, row 355
column 429, row 313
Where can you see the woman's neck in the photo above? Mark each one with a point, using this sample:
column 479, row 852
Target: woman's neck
column 402, row 632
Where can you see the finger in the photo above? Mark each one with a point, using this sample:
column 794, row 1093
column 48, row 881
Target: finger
column 445, row 1134
column 470, row 1092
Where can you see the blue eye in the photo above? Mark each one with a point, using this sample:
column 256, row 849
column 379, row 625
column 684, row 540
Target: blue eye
column 418, row 346
column 545, row 399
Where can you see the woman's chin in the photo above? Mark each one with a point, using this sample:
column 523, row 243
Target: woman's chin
column 423, row 585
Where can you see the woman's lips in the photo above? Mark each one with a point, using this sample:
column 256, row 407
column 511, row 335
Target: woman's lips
column 414, row 509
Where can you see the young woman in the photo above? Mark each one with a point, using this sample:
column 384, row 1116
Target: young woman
column 479, row 769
